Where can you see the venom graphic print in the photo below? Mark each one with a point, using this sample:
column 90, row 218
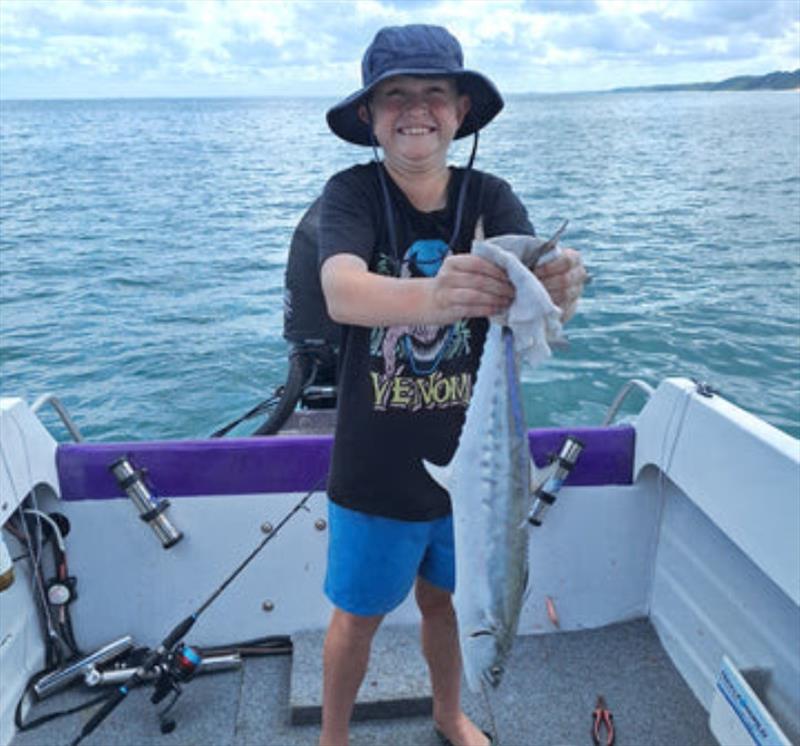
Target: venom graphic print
column 407, row 360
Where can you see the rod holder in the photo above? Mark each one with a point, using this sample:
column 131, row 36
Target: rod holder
column 51, row 683
column 562, row 465
column 151, row 510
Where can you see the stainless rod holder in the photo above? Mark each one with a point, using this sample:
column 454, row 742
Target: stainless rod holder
column 51, row 683
column 151, row 510
column 545, row 495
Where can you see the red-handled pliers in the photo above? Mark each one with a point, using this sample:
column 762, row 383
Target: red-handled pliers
column 602, row 716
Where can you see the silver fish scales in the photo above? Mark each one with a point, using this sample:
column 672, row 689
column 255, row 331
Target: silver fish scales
column 490, row 476
column 489, row 483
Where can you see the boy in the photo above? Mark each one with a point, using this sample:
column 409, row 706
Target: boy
column 396, row 272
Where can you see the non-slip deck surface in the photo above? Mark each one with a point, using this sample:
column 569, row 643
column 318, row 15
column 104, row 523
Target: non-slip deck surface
column 550, row 688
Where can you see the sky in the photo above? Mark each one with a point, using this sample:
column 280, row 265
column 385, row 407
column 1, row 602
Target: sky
column 158, row 48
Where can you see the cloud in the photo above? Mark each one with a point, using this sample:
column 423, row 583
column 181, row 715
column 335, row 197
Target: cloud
column 242, row 47
column 562, row 7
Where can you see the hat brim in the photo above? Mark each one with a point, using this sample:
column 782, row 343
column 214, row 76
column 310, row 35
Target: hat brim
column 485, row 103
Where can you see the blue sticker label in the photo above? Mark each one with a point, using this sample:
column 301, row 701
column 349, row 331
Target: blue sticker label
column 750, row 711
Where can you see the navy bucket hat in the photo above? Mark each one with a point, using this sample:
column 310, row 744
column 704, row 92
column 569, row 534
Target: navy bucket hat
column 420, row 51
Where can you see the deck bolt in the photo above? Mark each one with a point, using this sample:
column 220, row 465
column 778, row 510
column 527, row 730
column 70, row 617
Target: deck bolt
column 268, row 605
column 266, row 527
column 320, row 524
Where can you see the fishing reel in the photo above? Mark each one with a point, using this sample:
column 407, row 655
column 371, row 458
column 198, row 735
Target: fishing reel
column 179, row 666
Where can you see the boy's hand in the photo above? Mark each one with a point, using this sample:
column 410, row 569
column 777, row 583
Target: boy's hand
column 467, row 286
column 564, row 278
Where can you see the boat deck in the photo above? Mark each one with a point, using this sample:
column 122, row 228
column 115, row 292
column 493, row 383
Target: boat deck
column 550, row 688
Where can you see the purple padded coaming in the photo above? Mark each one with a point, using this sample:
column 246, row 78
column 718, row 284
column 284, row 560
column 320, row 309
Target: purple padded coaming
column 286, row 463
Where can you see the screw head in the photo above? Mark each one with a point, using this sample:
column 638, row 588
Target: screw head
column 266, row 527
column 268, row 605
column 320, row 524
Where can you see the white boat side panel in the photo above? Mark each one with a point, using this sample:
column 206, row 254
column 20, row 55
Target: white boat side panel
column 27, row 452
column 27, row 456
column 593, row 557
column 741, row 472
column 710, row 599
column 21, row 644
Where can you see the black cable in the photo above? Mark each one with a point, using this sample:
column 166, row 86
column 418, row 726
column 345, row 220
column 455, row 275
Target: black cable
column 258, row 409
column 67, row 633
column 54, row 655
column 36, row 722
column 277, row 644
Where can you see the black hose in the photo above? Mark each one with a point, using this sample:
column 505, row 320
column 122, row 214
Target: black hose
column 298, row 377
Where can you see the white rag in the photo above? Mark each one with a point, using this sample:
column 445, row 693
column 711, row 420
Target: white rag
column 533, row 318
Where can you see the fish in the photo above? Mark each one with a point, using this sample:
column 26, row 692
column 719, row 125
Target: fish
column 490, row 476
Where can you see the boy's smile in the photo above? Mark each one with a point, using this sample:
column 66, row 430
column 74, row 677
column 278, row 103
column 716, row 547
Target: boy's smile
column 416, row 119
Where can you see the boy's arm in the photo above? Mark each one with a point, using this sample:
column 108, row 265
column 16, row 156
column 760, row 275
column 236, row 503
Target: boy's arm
column 466, row 286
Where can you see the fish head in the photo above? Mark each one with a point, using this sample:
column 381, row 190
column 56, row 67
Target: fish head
column 482, row 657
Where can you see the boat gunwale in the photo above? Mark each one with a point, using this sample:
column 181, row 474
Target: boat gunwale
column 294, row 463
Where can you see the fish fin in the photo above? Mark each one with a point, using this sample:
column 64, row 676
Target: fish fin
column 442, row 475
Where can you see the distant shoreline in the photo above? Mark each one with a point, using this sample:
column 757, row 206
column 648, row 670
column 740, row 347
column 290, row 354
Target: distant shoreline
column 774, row 81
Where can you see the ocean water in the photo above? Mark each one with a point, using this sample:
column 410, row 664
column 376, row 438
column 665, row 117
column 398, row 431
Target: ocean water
column 143, row 244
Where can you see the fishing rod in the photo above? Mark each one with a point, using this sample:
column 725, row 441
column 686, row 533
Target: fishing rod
column 176, row 662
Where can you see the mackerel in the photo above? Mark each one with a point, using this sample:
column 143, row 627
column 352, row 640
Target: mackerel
column 490, row 475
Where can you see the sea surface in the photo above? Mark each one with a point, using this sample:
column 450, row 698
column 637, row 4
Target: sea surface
column 143, row 245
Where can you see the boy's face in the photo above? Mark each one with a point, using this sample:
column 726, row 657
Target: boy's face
column 415, row 119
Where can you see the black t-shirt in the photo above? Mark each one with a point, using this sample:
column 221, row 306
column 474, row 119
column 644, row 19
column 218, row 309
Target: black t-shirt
column 403, row 391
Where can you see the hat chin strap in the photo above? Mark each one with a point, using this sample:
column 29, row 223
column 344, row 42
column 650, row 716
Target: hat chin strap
column 387, row 199
column 462, row 192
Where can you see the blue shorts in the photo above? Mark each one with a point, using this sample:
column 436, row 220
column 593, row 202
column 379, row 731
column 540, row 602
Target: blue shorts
column 374, row 561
